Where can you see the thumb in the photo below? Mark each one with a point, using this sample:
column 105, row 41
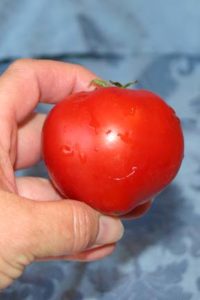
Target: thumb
column 68, row 227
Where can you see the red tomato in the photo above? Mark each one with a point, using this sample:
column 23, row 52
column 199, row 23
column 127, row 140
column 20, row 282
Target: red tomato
column 112, row 148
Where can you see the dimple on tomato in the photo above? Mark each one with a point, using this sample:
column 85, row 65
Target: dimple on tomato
column 113, row 148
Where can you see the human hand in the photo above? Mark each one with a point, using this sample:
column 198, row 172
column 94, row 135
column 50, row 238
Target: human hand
column 49, row 227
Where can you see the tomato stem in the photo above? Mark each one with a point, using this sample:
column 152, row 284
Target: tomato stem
column 103, row 83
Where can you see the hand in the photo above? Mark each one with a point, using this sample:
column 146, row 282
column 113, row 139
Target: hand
column 49, row 227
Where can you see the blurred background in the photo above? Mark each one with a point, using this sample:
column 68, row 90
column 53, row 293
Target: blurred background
column 158, row 43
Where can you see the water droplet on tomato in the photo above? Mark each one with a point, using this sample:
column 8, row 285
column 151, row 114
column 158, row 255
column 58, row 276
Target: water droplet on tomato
column 111, row 136
column 83, row 157
column 108, row 131
column 132, row 110
column 67, row 150
column 125, row 137
column 94, row 124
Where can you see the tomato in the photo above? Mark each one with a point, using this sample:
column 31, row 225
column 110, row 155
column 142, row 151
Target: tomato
column 113, row 148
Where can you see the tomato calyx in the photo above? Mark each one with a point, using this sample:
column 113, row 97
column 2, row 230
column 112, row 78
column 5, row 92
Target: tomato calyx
column 103, row 83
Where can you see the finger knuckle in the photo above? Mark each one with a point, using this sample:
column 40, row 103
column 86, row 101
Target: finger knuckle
column 84, row 226
column 21, row 66
column 21, row 63
column 9, row 271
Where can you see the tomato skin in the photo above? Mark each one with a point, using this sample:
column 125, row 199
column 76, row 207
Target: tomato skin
column 112, row 148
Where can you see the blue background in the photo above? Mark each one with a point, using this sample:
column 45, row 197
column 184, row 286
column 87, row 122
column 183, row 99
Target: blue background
column 158, row 43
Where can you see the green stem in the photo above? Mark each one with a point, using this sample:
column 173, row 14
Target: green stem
column 103, row 83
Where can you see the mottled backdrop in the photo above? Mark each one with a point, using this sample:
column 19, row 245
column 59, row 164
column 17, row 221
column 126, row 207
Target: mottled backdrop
column 158, row 43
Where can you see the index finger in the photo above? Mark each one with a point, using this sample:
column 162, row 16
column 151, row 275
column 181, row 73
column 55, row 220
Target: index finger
column 27, row 82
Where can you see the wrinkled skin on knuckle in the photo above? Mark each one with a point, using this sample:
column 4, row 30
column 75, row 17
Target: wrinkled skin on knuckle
column 15, row 236
column 83, row 226
column 13, row 260
column 11, row 268
column 9, row 271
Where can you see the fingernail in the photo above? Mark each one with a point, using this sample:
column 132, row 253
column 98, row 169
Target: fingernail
column 110, row 230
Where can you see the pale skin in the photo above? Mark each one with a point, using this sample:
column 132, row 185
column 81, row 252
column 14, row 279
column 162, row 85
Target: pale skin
column 49, row 227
